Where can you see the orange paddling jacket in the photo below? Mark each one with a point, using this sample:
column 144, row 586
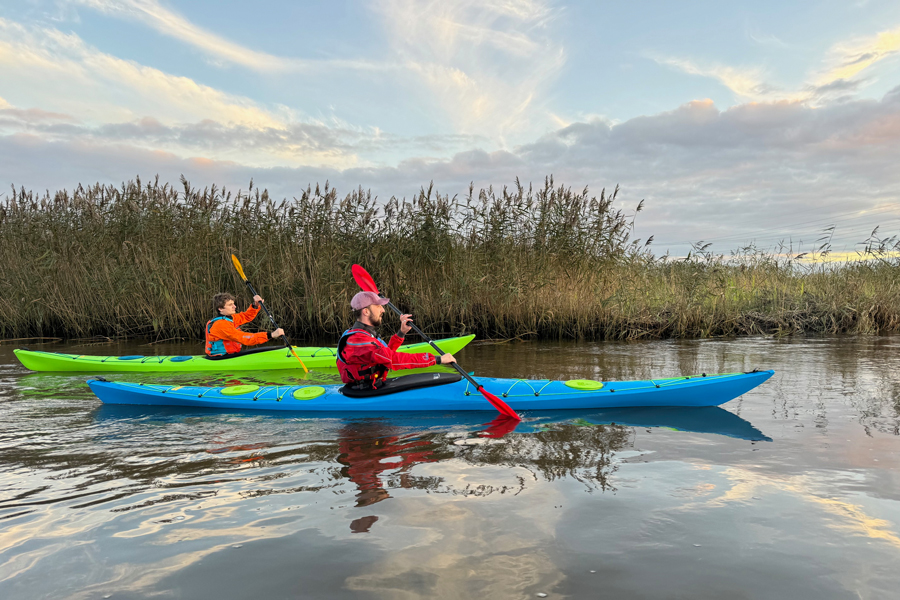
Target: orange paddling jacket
column 224, row 337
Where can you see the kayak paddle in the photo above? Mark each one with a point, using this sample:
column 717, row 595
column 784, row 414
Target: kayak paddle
column 365, row 281
column 287, row 344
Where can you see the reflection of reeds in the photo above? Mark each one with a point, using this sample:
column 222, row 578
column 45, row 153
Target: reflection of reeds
column 146, row 260
column 582, row 451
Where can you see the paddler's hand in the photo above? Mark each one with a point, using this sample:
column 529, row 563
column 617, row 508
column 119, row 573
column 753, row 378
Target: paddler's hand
column 404, row 324
column 257, row 299
column 446, row 359
column 277, row 333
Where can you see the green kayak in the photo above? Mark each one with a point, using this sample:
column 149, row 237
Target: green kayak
column 260, row 359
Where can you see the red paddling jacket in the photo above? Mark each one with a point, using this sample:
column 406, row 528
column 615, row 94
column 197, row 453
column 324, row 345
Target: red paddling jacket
column 362, row 356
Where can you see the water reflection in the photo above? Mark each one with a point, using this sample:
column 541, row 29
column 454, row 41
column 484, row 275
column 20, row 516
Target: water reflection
column 582, row 451
column 375, row 454
column 141, row 501
column 367, row 449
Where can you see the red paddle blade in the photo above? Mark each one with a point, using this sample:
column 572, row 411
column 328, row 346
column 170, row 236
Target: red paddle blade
column 499, row 404
column 363, row 279
column 499, row 427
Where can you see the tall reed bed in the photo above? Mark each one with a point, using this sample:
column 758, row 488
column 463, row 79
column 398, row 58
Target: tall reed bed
column 145, row 259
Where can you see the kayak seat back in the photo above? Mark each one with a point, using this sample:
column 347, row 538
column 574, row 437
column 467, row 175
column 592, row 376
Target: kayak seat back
column 401, row 384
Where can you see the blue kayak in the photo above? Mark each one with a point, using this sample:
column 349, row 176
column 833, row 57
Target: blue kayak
column 458, row 395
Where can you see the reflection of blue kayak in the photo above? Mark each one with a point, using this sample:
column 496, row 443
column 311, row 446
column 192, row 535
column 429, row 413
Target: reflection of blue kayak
column 702, row 419
column 708, row 419
column 520, row 394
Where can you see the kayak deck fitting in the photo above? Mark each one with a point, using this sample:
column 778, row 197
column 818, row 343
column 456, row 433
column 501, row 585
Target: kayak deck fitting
column 520, row 394
column 276, row 358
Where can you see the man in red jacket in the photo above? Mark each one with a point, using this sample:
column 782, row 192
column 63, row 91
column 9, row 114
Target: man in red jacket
column 223, row 335
column 364, row 359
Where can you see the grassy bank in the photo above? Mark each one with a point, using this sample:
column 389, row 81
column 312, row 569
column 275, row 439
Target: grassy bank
column 145, row 259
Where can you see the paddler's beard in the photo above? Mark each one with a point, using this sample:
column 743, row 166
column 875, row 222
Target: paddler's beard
column 375, row 320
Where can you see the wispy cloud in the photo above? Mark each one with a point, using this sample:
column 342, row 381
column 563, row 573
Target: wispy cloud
column 849, row 59
column 487, row 64
column 841, row 76
column 74, row 82
column 767, row 39
column 73, row 77
column 31, row 115
column 289, row 144
column 115, row 101
column 172, row 24
column 748, row 83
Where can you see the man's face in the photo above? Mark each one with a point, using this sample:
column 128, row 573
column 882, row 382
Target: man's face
column 375, row 312
column 229, row 309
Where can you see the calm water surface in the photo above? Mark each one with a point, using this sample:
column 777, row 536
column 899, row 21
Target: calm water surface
column 788, row 492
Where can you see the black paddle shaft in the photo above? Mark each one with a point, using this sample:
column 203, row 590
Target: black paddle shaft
column 284, row 337
column 433, row 345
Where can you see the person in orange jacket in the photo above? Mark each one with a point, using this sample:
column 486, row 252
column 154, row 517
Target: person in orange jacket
column 223, row 335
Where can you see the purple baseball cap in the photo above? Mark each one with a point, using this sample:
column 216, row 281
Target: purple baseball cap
column 364, row 299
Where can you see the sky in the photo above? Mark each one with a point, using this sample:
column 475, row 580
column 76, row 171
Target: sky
column 737, row 123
